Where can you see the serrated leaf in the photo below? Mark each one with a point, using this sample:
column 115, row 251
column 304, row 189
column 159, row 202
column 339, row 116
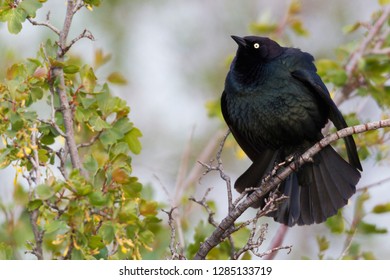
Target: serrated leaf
column 381, row 208
column 132, row 139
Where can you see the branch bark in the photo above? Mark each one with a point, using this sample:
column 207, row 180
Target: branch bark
column 355, row 57
column 58, row 73
column 273, row 181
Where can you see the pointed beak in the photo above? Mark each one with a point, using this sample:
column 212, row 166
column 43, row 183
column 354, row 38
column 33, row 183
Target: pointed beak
column 239, row 40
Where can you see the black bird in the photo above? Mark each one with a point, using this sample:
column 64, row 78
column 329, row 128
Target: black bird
column 275, row 105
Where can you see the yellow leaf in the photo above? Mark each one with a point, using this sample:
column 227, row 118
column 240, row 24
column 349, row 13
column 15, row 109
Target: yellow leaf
column 240, row 154
column 295, row 7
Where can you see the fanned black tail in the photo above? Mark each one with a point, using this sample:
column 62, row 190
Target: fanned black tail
column 317, row 190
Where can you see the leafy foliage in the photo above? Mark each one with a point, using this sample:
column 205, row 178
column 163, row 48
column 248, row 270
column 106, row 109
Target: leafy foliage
column 97, row 215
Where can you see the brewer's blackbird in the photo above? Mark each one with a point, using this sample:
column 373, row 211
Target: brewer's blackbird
column 275, row 105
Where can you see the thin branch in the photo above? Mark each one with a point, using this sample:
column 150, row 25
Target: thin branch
column 78, row 6
column 355, row 57
column 85, row 34
column 174, row 245
column 46, row 24
column 374, row 30
column 372, row 185
column 277, row 241
column 273, row 181
column 204, row 204
column 66, row 110
column 91, row 141
column 219, row 168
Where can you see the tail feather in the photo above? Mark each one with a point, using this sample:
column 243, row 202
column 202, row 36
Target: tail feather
column 318, row 190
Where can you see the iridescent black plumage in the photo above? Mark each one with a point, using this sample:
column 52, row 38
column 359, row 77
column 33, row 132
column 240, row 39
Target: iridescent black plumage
column 275, row 105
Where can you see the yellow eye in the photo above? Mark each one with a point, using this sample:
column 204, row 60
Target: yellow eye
column 256, row 45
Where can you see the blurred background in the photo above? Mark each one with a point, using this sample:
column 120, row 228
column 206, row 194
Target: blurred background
column 175, row 55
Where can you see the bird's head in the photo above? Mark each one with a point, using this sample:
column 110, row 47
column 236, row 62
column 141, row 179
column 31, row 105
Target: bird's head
column 256, row 50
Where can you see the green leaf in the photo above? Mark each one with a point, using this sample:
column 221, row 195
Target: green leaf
column 368, row 256
column 383, row 2
column 132, row 190
column 381, row 208
column 34, row 204
column 36, row 93
column 263, row 28
column 91, row 164
column 123, row 125
column 98, row 124
column 146, row 237
column 97, row 198
column 213, row 108
column 298, row 28
column 295, row 7
column 88, row 78
column 117, row 78
column 6, row 252
column 132, row 139
column 351, row 28
column 323, row 245
column 71, row 69
column 110, row 136
column 95, row 242
column 101, row 58
column 366, row 228
column 54, row 226
column 93, row 2
column 336, row 223
column 44, row 191
column 107, row 231
column 15, row 17
column 30, row 6
column 83, row 189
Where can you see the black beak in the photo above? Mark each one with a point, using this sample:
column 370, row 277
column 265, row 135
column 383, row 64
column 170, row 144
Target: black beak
column 240, row 41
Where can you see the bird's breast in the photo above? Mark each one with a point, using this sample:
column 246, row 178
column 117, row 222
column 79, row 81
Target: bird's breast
column 274, row 115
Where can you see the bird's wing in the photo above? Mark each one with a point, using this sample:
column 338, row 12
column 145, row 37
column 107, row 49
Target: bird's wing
column 314, row 82
column 263, row 159
column 250, row 150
